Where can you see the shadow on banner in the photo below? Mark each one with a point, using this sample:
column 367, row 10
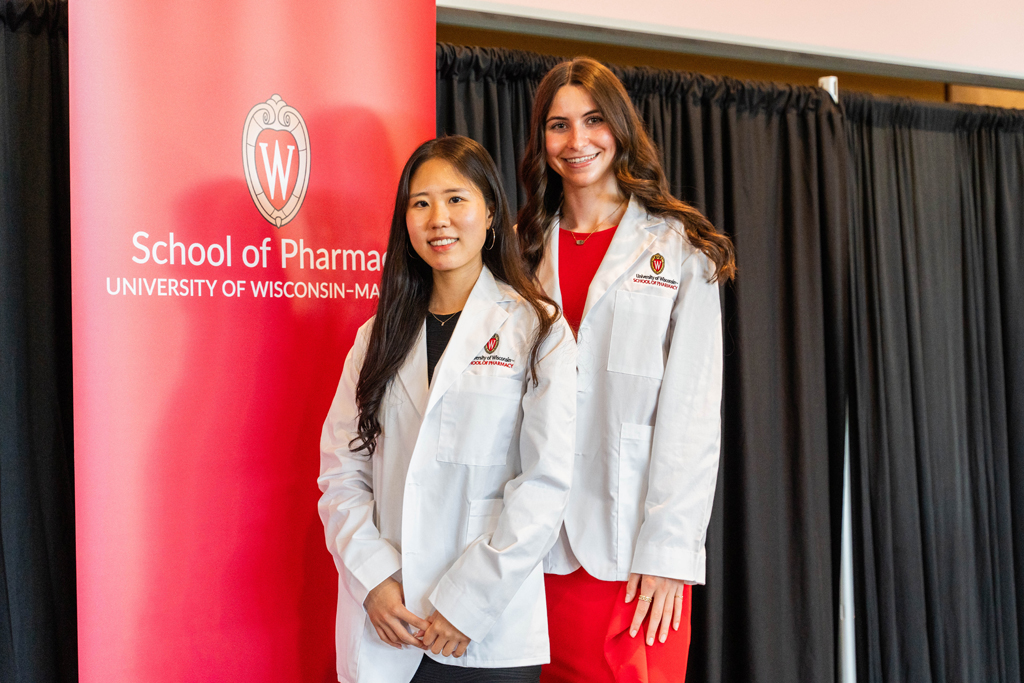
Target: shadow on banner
column 208, row 338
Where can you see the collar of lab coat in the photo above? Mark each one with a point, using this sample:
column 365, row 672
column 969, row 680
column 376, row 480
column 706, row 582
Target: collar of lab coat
column 481, row 317
column 636, row 231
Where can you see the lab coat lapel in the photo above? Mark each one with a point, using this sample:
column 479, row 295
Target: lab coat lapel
column 547, row 271
column 413, row 372
column 631, row 239
column 481, row 318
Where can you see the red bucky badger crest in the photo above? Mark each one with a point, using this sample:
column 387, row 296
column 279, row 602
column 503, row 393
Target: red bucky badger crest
column 492, row 344
column 275, row 154
column 657, row 264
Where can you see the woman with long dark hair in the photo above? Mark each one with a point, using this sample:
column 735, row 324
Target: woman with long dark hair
column 635, row 272
column 447, row 454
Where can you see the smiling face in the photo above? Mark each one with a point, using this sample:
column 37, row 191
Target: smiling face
column 447, row 218
column 578, row 141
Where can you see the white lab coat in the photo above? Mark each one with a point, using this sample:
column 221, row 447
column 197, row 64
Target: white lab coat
column 464, row 495
column 648, row 418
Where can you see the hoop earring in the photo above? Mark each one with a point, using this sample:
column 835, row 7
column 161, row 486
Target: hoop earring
column 494, row 237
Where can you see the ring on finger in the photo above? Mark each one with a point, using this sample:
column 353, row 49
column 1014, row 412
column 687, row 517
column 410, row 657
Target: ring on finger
column 645, row 598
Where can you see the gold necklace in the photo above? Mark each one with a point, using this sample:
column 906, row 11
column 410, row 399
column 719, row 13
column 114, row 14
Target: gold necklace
column 446, row 319
column 581, row 242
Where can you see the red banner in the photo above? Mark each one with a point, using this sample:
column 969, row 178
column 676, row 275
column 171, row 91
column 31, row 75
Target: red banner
column 233, row 175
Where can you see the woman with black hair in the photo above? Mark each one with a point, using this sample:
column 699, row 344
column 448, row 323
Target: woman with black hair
column 447, row 454
column 635, row 272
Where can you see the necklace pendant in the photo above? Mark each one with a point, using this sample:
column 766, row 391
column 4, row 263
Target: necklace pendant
column 580, row 242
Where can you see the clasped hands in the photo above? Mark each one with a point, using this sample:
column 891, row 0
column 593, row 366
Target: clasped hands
column 385, row 606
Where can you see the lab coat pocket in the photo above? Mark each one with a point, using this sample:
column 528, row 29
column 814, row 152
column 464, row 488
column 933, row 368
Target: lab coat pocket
column 483, row 518
column 639, row 326
column 478, row 418
column 634, row 469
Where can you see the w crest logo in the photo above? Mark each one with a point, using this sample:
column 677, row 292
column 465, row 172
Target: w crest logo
column 492, row 344
column 275, row 153
column 657, row 264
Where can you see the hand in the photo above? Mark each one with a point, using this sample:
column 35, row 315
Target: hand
column 666, row 601
column 385, row 605
column 442, row 638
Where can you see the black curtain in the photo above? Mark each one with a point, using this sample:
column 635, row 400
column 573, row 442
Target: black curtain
column 920, row 208
column 767, row 164
column 937, row 404
column 37, row 566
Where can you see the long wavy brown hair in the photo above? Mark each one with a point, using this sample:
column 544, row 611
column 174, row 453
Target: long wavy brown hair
column 407, row 281
column 636, row 166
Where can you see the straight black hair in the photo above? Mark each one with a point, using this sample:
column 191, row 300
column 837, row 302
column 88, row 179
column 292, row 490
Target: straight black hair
column 407, row 281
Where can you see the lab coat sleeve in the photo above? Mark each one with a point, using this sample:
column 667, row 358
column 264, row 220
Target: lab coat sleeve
column 480, row 584
column 363, row 558
column 687, row 435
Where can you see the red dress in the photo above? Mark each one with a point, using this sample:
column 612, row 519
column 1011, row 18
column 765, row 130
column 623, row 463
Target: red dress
column 577, row 266
column 588, row 619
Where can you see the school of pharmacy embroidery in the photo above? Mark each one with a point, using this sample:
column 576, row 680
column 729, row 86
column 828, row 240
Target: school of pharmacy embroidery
column 656, row 280
column 488, row 357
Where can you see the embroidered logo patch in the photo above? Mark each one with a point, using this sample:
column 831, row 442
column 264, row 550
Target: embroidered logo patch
column 655, row 278
column 487, row 358
column 492, row 344
column 657, row 264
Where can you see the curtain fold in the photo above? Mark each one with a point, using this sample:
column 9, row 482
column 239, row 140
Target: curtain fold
column 767, row 164
column 486, row 94
column 937, row 406
column 37, row 567
column 894, row 224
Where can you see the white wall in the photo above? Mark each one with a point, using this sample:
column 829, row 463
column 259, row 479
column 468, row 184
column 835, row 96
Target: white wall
column 982, row 36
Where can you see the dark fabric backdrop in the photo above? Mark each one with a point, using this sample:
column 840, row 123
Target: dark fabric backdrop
column 933, row 198
column 37, row 541
column 937, row 408
column 767, row 165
